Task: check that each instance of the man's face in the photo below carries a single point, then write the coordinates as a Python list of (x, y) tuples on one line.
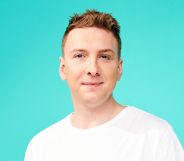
[(90, 64)]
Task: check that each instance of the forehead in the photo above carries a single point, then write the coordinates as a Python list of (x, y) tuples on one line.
[(90, 38)]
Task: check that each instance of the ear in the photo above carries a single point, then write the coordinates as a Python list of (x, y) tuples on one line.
[(62, 68), (120, 69)]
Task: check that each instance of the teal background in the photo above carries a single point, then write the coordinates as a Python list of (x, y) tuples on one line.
[(32, 96)]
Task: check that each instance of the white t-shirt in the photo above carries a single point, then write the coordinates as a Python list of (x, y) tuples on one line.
[(132, 135)]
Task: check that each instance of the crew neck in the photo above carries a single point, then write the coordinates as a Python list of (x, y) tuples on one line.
[(98, 127)]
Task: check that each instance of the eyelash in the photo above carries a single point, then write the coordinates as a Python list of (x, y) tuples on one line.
[(81, 55), (108, 57)]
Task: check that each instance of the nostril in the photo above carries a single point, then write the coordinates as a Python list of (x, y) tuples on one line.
[(93, 74)]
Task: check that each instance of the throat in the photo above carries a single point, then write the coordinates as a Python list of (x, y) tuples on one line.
[(94, 119)]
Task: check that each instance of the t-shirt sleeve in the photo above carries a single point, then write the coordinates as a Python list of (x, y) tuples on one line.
[(28, 154), (33, 150), (169, 147)]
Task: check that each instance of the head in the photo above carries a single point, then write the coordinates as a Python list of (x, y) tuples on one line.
[(91, 61), (93, 18)]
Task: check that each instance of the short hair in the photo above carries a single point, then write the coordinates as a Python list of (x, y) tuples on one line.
[(94, 18)]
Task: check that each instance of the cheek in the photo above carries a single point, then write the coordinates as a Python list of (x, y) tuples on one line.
[(73, 71), (111, 73), (113, 69)]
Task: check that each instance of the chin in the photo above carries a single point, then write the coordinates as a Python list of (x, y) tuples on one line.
[(95, 100)]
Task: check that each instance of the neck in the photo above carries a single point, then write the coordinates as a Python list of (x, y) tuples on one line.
[(87, 116)]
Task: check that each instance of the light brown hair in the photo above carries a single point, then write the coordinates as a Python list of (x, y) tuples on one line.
[(93, 18)]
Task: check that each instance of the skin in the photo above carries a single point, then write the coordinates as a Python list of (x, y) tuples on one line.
[(91, 67)]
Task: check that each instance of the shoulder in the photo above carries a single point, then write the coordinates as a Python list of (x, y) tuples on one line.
[(158, 132), (49, 134), (43, 139), (140, 121)]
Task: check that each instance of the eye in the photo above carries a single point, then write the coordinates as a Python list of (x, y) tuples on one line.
[(105, 56), (79, 55)]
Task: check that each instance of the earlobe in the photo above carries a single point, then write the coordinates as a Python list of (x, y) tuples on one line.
[(62, 71)]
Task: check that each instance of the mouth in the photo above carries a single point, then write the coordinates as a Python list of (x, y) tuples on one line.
[(92, 84)]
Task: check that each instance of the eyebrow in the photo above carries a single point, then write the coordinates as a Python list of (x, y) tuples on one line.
[(74, 50), (106, 50), (102, 50)]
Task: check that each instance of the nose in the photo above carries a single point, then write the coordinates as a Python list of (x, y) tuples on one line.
[(92, 68)]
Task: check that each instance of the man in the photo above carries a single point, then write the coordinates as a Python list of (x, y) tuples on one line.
[(100, 129)]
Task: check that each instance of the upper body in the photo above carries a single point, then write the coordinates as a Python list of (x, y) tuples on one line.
[(91, 64), (132, 135)]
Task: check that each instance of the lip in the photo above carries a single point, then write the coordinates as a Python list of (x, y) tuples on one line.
[(92, 84)]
